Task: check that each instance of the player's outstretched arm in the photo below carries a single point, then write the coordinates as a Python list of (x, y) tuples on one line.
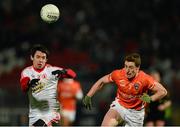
[(97, 86), (64, 73), (58, 72), (159, 92)]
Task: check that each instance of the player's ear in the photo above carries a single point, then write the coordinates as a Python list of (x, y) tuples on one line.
[(31, 58)]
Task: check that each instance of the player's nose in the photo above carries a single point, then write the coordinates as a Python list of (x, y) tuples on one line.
[(41, 59)]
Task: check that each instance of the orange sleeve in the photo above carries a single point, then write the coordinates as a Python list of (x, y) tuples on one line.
[(150, 82), (115, 75), (78, 86)]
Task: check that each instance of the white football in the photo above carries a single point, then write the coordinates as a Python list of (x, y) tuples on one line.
[(50, 13)]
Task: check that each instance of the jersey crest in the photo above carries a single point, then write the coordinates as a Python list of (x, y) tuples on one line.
[(136, 86)]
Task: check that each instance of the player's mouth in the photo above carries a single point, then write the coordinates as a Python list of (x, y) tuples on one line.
[(128, 74), (39, 64)]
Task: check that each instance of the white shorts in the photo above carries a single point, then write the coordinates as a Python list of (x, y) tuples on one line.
[(48, 118), (69, 114), (131, 117)]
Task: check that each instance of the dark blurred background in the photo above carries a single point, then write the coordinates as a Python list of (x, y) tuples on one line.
[(91, 37)]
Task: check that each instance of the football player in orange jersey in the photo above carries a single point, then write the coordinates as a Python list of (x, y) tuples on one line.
[(69, 91), (132, 84)]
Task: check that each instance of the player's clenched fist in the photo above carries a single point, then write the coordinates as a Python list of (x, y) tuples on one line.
[(64, 73), (87, 102), (146, 98), (58, 73)]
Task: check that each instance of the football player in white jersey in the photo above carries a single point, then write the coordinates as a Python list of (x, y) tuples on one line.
[(40, 81)]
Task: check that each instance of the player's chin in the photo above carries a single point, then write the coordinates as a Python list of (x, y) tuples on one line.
[(130, 76), (40, 66)]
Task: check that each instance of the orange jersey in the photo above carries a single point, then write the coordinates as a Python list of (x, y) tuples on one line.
[(129, 92), (67, 92)]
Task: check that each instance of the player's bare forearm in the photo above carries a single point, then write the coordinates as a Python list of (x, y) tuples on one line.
[(160, 92), (94, 88), (98, 85)]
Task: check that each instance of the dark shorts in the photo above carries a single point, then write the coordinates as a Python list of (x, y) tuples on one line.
[(155, 115)]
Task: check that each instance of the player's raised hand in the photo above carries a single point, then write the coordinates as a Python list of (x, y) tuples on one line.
[(146, 98), (33, 82), (59, 73), (87, 102)]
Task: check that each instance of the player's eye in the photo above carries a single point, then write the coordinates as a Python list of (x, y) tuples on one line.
[(37, 56), (131, 67), (43, 57)]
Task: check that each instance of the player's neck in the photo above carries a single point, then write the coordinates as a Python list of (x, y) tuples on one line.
[(130, 79)]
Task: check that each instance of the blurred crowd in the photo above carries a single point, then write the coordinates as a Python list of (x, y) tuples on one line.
[(91, 37)]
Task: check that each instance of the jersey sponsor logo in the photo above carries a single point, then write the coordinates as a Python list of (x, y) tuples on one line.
[(38, 88), (129, 96)]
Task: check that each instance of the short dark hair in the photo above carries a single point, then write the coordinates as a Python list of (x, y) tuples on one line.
[(39, 47), (134, 57)]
